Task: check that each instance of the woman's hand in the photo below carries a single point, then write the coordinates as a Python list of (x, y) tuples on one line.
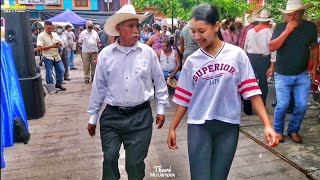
[(171, 140), (271, 136)]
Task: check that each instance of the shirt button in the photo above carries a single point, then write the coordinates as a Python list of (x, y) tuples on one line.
[(127, 90), (126, 77)]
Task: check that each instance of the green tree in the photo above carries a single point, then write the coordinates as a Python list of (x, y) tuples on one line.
[(183, 8), (276, 5)]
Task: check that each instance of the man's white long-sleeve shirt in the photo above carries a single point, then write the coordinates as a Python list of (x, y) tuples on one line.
[(126, 76), (257, 42)]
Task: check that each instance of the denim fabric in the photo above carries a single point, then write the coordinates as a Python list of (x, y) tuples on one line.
[(70, 58), (299, 85), (166, 74), (59, 70), (211, 149)]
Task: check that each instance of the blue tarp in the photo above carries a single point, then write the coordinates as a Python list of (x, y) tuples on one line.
[(12, 105), (69, 16)]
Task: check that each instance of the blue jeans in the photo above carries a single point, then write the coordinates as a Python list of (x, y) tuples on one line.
[(211, 149), (166, 74), (70, 58), (299, 85), (59, 70)]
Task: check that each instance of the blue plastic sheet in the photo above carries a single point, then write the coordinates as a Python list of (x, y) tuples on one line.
[(12, 105)]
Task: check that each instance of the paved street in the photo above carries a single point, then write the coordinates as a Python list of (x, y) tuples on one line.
[(60, 147)]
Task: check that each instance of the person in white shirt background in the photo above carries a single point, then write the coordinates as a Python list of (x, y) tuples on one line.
[(128, 75), (257, 48), (210, 86), (62, 51), (89, 40)]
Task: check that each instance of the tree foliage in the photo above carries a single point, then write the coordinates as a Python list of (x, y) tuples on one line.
[(233, 8), (183, 8), (276, 5)]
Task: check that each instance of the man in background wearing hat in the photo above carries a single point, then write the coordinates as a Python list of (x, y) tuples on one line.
[(243, 35), (127, 72), (293, 41), (238, 25), (257, 47)]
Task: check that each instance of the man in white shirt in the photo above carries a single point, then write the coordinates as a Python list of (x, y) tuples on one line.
[(257, 47), (127, 72), (89, 39), (62, 52)]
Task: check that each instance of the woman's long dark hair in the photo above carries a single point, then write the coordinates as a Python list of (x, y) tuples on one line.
[(208, 14)]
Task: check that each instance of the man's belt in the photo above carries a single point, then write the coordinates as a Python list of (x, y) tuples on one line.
[(261, 55), (128, 110)]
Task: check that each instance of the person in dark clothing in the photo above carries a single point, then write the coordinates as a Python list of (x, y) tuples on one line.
[(294, 41)]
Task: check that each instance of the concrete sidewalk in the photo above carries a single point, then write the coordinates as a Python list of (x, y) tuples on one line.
[(306, 156), (60, 147)]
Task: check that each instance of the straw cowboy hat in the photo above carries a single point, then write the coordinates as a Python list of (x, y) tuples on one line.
[(172, 82), (295, 5), (125, 13), (97, 26), (262, 15)]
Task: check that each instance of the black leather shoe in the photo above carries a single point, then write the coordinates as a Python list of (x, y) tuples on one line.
[(67, 79), (61, 87)]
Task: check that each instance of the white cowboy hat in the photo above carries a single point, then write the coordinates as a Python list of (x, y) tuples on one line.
[(295, 5), (262, 15), (172, 82), (238, 20), (125, 13)]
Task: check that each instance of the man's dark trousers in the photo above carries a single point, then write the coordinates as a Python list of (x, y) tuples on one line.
[(65, 63), (260, 64), (134, 130)]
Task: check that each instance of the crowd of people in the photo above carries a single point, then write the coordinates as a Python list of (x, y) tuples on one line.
[(219, 68)]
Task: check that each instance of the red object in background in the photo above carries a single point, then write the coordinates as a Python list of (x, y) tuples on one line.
[(123, 2), (315, 83)]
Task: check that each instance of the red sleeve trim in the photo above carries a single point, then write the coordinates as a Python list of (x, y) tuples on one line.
[(247, 82), (184, 91), (181, 98), (249, 89)]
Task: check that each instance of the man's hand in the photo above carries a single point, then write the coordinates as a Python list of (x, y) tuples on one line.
[(270, 72), (95, 60), (92, 129), (160, 120), (172, 75), (271, 136), (171, 140), (55, 46), (313, 74), (291, 25), (59, 44)]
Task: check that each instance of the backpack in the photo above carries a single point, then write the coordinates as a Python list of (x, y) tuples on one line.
[(20, 130)]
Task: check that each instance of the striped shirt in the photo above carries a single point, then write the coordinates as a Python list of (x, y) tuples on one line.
[(211, 87)]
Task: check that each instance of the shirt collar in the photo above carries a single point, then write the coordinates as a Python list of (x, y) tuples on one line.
[(125, 49)]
